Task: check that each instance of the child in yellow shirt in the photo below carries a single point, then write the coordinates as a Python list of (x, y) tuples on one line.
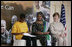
[(21, 27)]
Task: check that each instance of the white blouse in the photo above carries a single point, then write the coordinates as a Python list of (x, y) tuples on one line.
[(57, 28)]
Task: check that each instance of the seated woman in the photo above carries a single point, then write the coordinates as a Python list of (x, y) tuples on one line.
[(4, 32), (57, 29), (38, 28)]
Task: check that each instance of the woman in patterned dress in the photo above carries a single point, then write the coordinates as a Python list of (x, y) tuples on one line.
[(37, 29)]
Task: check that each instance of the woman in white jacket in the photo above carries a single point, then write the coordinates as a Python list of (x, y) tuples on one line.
[(57, 29)]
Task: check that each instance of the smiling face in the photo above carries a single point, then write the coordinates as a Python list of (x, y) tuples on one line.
[(39, 17), (56, 18)]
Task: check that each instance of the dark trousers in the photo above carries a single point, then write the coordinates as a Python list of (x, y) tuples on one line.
[(43, 40), (53, 41), (29, 39)]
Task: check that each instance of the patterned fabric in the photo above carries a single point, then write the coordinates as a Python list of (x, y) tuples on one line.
[(9, 37), (4, 37), (63, 18), (57, 29), (63, 21), (45, 30), (36, 28)]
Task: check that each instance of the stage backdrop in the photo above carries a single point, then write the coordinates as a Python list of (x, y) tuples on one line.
[(10, 8)]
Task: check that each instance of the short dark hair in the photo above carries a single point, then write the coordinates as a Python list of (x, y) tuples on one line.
[(22, 16), (56, 13)]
